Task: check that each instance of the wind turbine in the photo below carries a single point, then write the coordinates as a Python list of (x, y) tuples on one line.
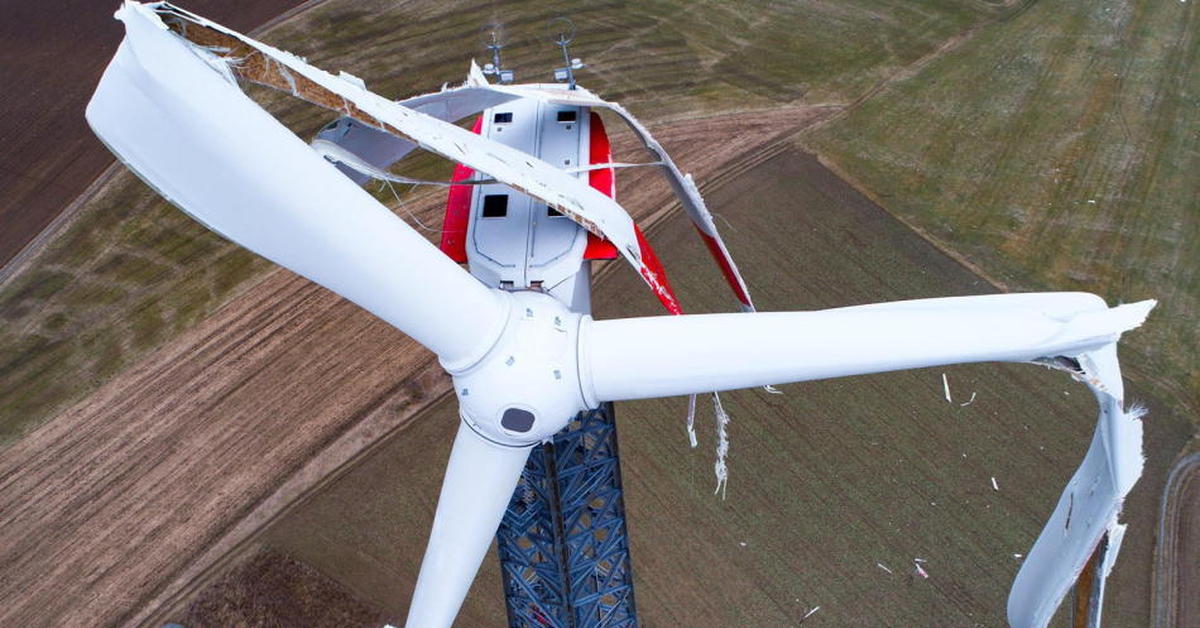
[(525, 359)]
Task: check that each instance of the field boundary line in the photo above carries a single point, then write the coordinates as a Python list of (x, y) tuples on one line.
[(1164, 580)]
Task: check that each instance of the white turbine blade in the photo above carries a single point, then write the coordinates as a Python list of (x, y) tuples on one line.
[(191, 134), (663, 356), (479, 483)]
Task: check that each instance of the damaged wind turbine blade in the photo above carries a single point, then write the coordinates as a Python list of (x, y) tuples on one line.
[(638, 358), (382, 150), (1087, 512), (259, 63), (652, 357), (479, 482), (210, 150), (681, 184)]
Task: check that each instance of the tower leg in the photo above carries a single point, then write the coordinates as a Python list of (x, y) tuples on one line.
[(563, 544)]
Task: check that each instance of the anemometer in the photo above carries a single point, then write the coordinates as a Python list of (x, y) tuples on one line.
[(562, 31)]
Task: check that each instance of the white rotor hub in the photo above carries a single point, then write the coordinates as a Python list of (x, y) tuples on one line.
[(526, 387)]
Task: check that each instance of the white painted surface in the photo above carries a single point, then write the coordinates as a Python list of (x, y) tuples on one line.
[(638, 358), (476, 95), (528, 247), (479, 481), (1090, 504)]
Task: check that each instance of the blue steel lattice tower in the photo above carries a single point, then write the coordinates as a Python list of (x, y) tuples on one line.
[(563, 544)]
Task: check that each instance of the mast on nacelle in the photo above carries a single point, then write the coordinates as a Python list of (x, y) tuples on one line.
[(495, 68), (564, 34)]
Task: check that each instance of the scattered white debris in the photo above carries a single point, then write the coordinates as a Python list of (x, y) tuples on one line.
[(995, 487), (774, 391), (719, 468), (883, 567), (920, 560), (1018, 555), (946, 388), (742, 543), (921, 571), (809, 613), (969, 401), (1091, 201), (691, 421)]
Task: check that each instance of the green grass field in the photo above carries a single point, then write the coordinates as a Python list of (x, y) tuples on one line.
[(1056, 150)]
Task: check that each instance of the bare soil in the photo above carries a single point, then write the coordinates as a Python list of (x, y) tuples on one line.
[(271, 589), (149, 489), (101, 506), (51, 56)]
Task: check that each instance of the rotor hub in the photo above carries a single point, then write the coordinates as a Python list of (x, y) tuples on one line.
[(526, 387)]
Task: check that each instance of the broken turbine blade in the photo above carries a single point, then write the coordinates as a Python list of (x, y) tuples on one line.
[(652, 357), (1090, 505)]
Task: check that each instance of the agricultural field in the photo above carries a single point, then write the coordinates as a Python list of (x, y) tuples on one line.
[(128, 272), (1057, 149), (828, 479), (169, 403)]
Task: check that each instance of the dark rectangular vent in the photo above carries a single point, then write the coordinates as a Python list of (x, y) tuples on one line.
[(553, 213), (566, 116), (495, 205), (502, 118)]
